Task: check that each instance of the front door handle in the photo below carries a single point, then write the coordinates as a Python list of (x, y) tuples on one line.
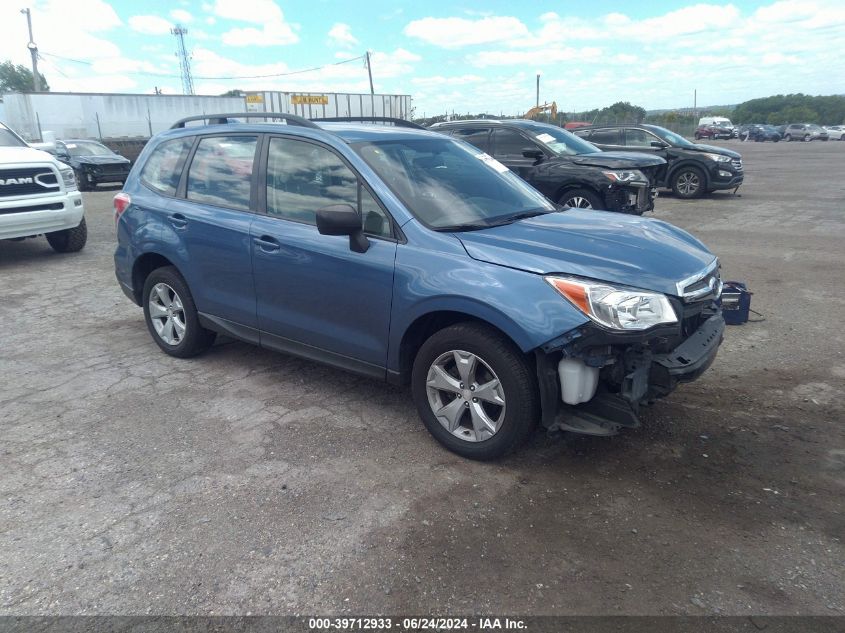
[(266, 243), (178, 220)]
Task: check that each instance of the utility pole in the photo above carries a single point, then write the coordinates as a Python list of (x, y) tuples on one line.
[(33, 50), (694, 103), (538, 90), (370, 73), (184, 60)]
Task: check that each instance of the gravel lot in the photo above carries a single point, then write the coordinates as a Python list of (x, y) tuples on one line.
[(245, 481)]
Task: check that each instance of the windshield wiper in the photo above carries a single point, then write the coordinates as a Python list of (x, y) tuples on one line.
[(468, 226), (510, 219)]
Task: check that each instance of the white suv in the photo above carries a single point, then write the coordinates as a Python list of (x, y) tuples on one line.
[(38, 195)]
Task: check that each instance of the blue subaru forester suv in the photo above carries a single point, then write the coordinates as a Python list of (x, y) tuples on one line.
[(411, 257)]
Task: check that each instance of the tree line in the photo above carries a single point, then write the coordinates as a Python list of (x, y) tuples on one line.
[(795, 108)]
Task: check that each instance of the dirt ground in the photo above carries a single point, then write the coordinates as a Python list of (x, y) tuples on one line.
[(245, 481)]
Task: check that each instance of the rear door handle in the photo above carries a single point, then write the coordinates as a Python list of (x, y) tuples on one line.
[(266, 243), (178, 220)]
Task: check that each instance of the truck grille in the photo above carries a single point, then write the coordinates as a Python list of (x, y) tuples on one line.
[(27, 181)]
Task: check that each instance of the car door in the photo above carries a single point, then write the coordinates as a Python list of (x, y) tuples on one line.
[(316, 296), (608, 138), (210, 221), (507, 146)]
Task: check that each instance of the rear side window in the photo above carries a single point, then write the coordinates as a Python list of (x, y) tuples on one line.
[(475, 136), (607, 136), (638, 138), (221, 171), (164, 166)]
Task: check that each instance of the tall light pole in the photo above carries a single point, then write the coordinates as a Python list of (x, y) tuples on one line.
[(33, 50)]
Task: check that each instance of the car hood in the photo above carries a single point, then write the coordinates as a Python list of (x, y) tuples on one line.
[(714, 149), (24, 155), (101, 160), (617, 160), (633, 251)]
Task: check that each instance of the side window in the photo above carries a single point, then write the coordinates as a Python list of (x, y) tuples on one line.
[(607, 136), (303, 177), (509, 144), (638, 138), (480, 137), (164, 166), (221, 171)]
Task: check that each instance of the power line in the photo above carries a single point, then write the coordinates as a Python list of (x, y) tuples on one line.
[(151, 74)]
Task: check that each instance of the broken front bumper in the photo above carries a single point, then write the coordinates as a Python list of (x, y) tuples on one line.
[(634, 369)]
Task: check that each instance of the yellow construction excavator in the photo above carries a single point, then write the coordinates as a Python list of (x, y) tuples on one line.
[(551, 108)]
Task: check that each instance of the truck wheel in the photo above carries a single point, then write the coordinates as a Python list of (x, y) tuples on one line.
[(69, 240), (171, 315), (688, 182), (475, 391), (580, 199)]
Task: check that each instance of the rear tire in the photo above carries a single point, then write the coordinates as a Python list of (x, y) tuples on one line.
[(492, 365), (171, 315), (688, 183), (788, 138), (807, 138), (581, 199), (69, 240)]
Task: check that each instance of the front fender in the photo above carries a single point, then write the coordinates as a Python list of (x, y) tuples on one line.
[(519, 303)]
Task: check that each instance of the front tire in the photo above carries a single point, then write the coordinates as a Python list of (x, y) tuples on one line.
[(475, 391), (69, 240), (788, 138), (171, 315), (688, 183), (807, 138), (581, 199)]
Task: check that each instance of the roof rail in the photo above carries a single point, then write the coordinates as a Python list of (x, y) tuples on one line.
[(374, 119), (223, 119)]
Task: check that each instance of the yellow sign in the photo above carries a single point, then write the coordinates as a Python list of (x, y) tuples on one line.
[(255, 98), (309, 100)]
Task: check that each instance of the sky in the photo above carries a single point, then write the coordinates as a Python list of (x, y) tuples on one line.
[(448, 55)]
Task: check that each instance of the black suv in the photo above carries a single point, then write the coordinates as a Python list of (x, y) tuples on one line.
[(692, 169), (566, 169), (93, 162)]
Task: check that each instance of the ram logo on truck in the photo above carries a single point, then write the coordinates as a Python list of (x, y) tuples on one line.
[(17, 181)]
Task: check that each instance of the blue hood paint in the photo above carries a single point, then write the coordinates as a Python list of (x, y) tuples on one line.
[(634, 251)]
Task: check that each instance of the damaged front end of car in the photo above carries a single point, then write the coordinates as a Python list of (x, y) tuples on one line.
[(637, 347)]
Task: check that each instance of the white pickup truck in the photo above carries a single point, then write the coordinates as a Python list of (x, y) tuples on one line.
[(38, 196)]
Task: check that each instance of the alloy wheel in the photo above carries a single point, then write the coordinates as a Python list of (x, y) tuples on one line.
[(465, 395), (688, 183), (167, 314), (578, 202)]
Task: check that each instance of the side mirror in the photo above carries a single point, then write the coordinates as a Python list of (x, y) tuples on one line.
[(533, 152), (342, 219), (659, 144)]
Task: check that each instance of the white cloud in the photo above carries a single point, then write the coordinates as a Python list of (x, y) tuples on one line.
[(458, 32), (274, 30), (182, 16), (439, 80), (341, 35), (150, 25)]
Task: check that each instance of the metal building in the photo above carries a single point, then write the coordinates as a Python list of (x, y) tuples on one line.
[(330, 104)]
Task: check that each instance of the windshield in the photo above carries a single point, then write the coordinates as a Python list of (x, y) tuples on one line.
[(87, 148), (9, 139), (450, 185), (670, 137), (560, 141)]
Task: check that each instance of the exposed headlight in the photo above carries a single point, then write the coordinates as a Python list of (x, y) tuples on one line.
[(613, 307), (633, 175), (68, 178), (719, 158)]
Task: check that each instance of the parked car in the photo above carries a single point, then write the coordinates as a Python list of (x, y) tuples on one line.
[(38, 196), (692, 170), (721, 121), (759, 133), (93, 162), (407, 256), (565, 168), (804, 132), (713, 131), (835, 132)]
